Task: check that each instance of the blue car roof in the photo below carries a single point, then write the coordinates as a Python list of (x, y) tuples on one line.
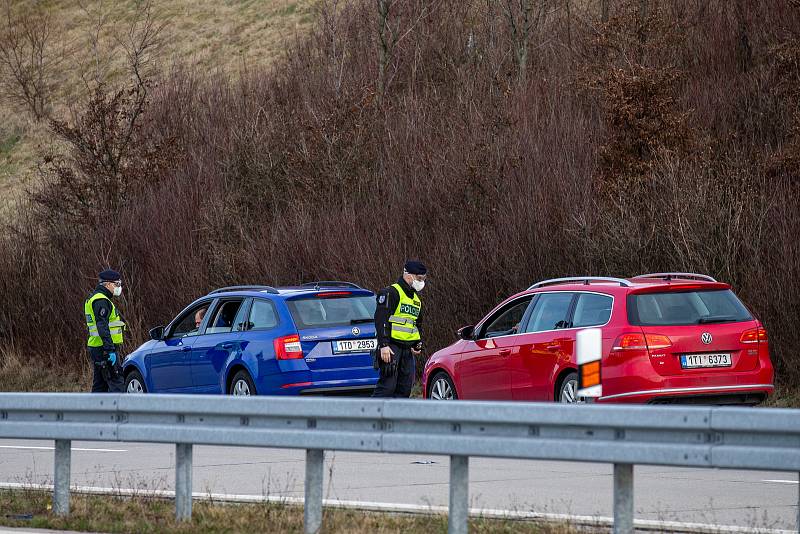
[(290, 291)]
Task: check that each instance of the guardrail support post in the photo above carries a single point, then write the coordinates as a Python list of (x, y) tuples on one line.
[(315, 464), (623, 498), (63, 459), (183, 481), (459, 495)]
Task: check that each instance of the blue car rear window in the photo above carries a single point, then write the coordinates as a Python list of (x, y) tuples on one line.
[(315, 312)]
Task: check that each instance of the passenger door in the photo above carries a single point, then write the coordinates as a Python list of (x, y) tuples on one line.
[(484, 370), (167, 365), (220, 339), (544, 345)]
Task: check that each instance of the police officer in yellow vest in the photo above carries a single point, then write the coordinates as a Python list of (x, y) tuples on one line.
[(397, 322), (105, 326)]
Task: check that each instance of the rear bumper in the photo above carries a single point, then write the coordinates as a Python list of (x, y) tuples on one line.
[(355, 386), (732, 394)]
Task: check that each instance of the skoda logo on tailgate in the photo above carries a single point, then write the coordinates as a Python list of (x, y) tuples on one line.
[(706, 338), (357, 331)]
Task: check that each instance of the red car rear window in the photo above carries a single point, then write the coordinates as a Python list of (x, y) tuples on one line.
[(674, 308)]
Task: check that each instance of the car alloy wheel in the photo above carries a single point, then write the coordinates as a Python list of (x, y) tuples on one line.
[(135, 386), (241, 388), (569, 391), (442, 389)]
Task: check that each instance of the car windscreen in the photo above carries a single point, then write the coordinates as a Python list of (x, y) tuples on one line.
[(321, 312), (677, 308)]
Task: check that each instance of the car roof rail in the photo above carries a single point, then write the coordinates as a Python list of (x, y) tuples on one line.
[(670, 276), (267, 289), (330, 283), (585, 279)]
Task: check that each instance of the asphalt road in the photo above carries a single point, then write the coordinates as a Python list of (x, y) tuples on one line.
[(722, 497)]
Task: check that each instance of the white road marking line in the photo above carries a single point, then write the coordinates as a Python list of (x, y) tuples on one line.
[(782, 481), (53, 448), (640, 524)]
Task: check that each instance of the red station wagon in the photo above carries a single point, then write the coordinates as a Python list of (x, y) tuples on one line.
[(667, 338)]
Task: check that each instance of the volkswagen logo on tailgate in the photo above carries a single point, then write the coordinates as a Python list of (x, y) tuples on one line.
[(706, 338), (357, 331)]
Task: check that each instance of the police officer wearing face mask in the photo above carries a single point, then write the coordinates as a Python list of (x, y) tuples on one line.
[(105, 326), (397, 322)]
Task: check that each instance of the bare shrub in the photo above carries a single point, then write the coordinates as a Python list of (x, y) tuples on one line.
[(29, 56), (656, 154)]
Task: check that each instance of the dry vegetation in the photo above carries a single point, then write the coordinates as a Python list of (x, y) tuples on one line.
[(145, 514), (502, 142), (83, 45)]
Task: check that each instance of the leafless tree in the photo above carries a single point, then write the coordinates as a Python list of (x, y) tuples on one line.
[(28, 57), (524, 18)]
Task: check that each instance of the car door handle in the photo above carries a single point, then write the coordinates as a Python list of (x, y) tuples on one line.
[(505, 352), (227, 346), (555, 347), (186, 348)]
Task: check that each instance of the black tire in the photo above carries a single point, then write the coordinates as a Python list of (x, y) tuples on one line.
[(134, 383), (567, 391), (441, 387), (242, 385)]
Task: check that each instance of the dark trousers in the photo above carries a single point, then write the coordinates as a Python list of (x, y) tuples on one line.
[(399, 384), (106, 380)]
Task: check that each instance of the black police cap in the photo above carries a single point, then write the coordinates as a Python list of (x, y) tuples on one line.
[(415, 267), (109, 275)]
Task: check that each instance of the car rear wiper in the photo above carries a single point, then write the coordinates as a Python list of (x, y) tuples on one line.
[(717, 319), (359, 321)]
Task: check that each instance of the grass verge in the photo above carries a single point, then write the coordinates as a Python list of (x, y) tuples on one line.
[(32, 509)]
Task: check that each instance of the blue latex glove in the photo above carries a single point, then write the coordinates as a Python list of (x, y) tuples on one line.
[(112, 357)]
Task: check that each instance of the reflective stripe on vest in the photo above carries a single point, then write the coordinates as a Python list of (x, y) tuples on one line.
[(404, 318), (115, 323)]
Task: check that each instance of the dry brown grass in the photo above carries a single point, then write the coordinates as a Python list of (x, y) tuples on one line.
[(144, 514), (21, 373), (200, 34)]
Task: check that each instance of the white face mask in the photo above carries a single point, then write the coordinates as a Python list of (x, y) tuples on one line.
[(417, 285), (117, 291)]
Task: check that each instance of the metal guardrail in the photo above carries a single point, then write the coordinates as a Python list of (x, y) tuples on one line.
[(741, 438)]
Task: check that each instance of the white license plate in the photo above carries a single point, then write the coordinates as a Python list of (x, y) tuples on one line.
[(691, 361), (354, 345)]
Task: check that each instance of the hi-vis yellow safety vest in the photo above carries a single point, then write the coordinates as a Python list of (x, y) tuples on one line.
[(404, 318), (115, 324)]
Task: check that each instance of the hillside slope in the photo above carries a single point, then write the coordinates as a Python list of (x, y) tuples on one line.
[(206, 34)]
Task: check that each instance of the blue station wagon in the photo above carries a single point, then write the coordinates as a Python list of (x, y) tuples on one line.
[(246, 340)]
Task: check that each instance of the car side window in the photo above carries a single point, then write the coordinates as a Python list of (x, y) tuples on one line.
[(263, 315), (550, 312), (190, 322), (507, 320), (592, 310), (224, 316)]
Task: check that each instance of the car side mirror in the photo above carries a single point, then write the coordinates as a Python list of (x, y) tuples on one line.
[(157, 333), (466, 332)]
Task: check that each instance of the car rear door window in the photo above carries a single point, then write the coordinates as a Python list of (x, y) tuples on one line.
[(550, 312), (675, 308), (224, 317), (592, 310), (263, 315)]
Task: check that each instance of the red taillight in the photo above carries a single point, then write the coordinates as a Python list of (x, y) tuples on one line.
[(754, 335), (637, 341), (288, 348)]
